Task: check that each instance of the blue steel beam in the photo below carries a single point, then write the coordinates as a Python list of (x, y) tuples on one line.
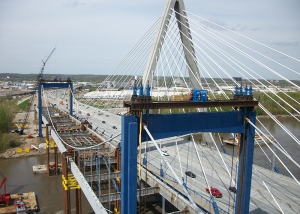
[(168, 125), (129, 141), (71, 99), (163, 126), (245, 165), (40, 109), (45, 85)]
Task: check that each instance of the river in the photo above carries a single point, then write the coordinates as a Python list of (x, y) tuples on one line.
[(50, 192)]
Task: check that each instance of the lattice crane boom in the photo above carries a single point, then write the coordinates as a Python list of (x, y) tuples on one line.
[(40, 76)]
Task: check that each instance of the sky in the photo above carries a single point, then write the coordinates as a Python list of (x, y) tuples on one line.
[(93, 36)]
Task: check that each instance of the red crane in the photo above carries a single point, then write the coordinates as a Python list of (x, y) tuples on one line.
[(4, 198)]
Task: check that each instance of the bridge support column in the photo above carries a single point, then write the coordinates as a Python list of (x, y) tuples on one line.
[(71, 99), (40, 105), (78, 191), (56, 160), (129, 144), (67, 204), (47, 148), (245, 164)]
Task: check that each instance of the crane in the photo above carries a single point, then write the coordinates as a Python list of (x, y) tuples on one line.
[(39, 78)]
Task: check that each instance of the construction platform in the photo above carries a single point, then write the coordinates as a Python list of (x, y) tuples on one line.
[(29, 199), (39, 168)]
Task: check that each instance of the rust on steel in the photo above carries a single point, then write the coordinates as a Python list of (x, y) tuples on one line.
[(188, 104)]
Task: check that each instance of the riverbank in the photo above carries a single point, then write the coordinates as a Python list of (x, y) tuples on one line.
[(29, 138)]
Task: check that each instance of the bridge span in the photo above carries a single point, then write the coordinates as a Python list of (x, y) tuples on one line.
[(92, 155)]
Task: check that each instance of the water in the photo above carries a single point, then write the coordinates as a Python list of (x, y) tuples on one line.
[(282, 138), (50, 192)]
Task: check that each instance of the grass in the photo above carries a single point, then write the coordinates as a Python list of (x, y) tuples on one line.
[(24, 105)]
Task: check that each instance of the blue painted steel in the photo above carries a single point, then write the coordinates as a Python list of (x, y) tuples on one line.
[(245, 165), (134, 90), (241, 90), (71, 99), (50, 85), (250, 91), (275, 168), (168, 125), (216, 208), (199, 95), (40, 109), (129, 142), (148, 90), (224, 150), (141, 90), (145, 159), (97, 171), (56, 84), (236, 92), (161, 170), (108, 168), (246, 91)]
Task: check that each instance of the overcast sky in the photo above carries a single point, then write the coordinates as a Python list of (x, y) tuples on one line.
[(93, 36)]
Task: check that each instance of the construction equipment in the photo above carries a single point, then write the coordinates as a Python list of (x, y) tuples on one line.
[(39, 78), (4, 198)]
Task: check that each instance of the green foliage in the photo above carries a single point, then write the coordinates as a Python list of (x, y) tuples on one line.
[(24, 105), (8, 141), (7, 114), (269, 101)]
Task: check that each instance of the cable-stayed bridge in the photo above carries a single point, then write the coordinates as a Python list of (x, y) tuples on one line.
[(179, 53)]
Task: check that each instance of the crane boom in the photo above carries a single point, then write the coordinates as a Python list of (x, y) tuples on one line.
[(40, 76)]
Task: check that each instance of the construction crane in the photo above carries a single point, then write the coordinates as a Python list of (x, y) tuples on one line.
[(39, 78)]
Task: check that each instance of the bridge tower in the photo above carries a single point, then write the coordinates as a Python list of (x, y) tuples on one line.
[(162, 126), (186, 40)]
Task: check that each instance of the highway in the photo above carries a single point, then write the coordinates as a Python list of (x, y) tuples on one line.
[(285, 190)]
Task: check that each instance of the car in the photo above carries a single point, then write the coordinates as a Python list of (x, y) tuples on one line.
[(232, 189), (215, 192), (114, 127), (190, 174), (103, 121), (164, 151)]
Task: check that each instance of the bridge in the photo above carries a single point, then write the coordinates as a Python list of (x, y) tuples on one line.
[(139, 135)]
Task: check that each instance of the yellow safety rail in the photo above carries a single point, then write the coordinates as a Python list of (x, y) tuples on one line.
[(71, 183)]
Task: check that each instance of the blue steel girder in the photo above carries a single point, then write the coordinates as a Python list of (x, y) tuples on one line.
[(65, 84), (168, 125)]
